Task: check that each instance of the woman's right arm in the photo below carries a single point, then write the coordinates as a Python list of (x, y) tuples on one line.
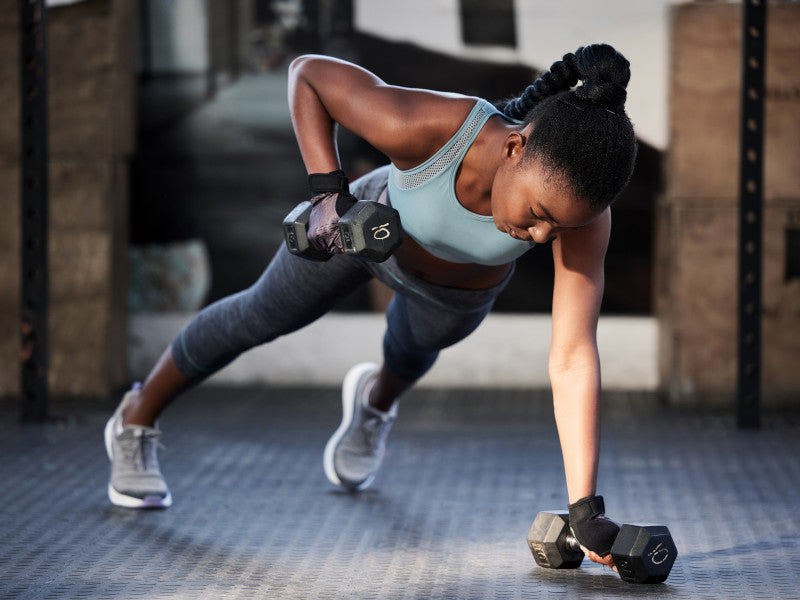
[(406, 124)]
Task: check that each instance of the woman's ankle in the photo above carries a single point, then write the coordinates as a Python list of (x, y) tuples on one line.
[(133, 414), (386, 390), (381, 404)]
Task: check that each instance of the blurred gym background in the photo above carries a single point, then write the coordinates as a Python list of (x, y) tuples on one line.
[(172, 163)]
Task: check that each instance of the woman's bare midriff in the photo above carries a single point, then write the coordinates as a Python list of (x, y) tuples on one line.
[(470, 276)]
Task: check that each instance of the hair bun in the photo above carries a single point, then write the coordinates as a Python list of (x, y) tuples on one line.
[(605, 74)]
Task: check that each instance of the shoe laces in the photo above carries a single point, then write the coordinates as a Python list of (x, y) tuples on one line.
[(374, 427), (141, 449)]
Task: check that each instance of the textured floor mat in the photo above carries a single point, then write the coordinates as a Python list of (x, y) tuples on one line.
[(447, 516)]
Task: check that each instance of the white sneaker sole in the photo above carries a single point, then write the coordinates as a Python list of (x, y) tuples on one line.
[(119, 499), (348, 391)]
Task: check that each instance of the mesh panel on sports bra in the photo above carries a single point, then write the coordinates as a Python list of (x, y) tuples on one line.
[(411, 180)]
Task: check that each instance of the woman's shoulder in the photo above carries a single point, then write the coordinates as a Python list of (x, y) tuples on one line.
[(439, 110), (431, 119)]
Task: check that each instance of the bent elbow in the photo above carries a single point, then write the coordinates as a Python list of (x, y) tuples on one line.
[(296, 66), (304, 62)]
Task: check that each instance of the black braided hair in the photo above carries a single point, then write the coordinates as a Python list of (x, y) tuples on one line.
[(581, 133), (605, 74), (562, 75)]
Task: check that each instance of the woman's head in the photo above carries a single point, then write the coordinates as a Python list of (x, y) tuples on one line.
[(581, 135)]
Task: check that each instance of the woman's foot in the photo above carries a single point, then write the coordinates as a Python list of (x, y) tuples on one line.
[(136, 480), (355, 451)]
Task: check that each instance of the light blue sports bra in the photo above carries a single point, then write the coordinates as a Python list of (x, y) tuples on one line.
[(425, 197)]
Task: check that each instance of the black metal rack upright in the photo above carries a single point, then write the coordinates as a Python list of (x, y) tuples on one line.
[(751, 198), (34, 209)]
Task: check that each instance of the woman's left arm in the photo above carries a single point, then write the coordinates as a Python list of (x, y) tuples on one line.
[(574, 363)]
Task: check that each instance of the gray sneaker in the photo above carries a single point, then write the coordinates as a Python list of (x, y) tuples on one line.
[(136, 480), (356, 449)]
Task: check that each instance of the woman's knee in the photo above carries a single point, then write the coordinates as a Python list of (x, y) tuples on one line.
[(416, 333), (407, 362)]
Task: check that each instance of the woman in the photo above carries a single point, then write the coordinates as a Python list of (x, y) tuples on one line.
[(476, 187)]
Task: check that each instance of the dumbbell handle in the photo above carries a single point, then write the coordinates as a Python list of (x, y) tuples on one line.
[(573, 543)]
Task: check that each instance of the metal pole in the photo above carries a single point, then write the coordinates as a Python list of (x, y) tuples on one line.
[(34, 213), (751, 198)]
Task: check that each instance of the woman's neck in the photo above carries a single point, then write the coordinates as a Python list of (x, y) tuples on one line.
[(477, 171)]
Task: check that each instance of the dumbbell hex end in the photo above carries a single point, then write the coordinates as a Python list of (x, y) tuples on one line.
[(644, 553), (295, 231), (551, 543), (370, 230)]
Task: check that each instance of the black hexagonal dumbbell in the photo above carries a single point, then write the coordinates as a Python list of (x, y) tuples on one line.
[(369, 230), (642, 553)]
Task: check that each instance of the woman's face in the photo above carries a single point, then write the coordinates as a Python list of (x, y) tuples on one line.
[(531, 203)]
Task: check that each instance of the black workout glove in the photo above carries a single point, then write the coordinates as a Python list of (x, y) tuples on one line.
[(331, 200), (590, 526)]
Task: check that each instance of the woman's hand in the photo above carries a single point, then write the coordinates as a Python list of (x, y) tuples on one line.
[(606, 560), (594, 531)]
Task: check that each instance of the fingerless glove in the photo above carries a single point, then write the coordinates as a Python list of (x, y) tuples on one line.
[(331, 200), (590, 526)]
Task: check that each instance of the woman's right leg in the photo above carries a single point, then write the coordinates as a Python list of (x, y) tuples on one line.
[(291, 293)]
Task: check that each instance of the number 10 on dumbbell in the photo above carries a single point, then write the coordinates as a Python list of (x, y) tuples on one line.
[(642, 553)]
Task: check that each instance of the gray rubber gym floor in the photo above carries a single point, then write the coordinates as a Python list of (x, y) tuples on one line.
[(254, 516)]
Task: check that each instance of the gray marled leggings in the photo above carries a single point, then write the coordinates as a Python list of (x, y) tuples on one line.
[(292, 292)]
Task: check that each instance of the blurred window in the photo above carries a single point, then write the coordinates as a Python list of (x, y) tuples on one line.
[(488, 23)]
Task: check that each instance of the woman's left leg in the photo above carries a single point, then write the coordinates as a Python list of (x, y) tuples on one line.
[(421, 322), (417, 331)]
